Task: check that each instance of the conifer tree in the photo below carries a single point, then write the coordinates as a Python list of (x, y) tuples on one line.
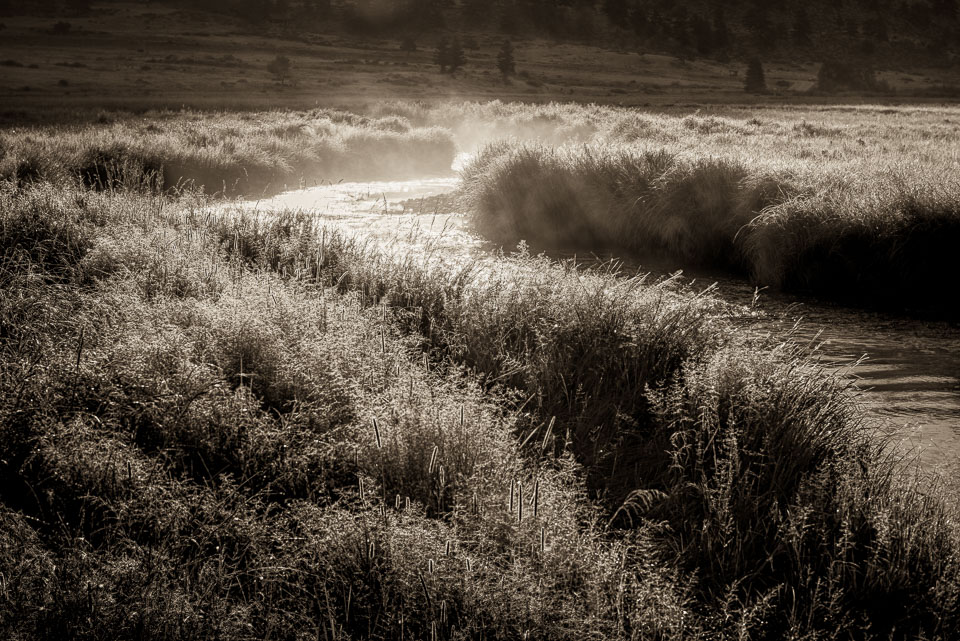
[(442, 57), (457, 58), (801, 28), (280, 68), (755, 81), (505, 61)]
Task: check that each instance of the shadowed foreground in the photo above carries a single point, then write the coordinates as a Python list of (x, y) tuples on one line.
[(224, 424)]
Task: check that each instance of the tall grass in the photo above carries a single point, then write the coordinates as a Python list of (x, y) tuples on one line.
[(226, 454), (217, 425), (755, 464), (880, 239), (236, 154)]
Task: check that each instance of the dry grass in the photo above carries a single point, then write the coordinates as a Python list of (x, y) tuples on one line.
[(226, 153), (219, 426), (854, 207)]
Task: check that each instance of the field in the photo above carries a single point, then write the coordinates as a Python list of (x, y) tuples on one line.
[(139, 56), (225, 423), (859, 205)]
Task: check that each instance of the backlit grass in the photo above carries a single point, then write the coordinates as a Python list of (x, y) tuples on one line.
[(228, 153), (863, 212), (227, 425)]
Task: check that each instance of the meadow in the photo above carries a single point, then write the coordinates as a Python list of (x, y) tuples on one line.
[(248, 154), (854, 204), (219, 423)]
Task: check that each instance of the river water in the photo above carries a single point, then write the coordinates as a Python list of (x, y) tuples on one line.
[(907, 370)]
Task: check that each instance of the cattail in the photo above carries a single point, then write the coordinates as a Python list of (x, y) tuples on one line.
[(469, 564), (397, 503), (430, 566), (426, 592), (443, 612), (433, 458), (446, 551), (548, 433), (536, 497), (443, 479), (519, 502), (83, 331), (376, 433), (512, 484), (383, 342), (371, 549), (362, 497), (543, 539)]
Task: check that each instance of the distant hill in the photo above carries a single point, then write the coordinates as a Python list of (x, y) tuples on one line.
[(921, 31), (137, 54)]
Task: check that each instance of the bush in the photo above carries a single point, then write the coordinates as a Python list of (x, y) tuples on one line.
[(754, 81), (835, 75)]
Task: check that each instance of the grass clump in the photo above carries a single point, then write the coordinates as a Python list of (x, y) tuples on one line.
[(248, 154), (879, 240)]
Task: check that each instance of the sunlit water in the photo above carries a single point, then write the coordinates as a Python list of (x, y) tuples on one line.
[(908, 370)]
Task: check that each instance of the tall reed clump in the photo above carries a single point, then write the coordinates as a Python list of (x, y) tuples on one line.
[(216, 452), (236, 154), (617, 197), (891, 244), (785, 504), (880, 240)]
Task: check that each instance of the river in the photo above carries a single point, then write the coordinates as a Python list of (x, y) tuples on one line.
[(907, 370)]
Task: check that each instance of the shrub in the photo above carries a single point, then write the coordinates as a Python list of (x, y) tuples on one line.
[(754, 81), (835, 75)]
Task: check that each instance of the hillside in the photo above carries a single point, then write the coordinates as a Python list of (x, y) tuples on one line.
[(214, 53)]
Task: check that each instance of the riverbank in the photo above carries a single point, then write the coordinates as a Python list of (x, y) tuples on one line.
[(225, 414)]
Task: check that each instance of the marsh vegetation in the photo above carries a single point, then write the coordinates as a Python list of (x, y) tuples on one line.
[(225, 423)]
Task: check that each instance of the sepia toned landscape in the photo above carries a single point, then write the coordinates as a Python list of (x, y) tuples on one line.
[(479, 319)]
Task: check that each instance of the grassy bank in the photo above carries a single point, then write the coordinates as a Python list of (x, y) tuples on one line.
[(750, 463), (195, 449), (232, 153), (861, 213), (218, 424)]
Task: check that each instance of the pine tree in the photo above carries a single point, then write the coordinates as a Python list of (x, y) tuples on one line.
[(280, 67), (755, 81), (801, 28), (442, 56), (617, 12), (721, 33), (457, 58), (638, 19), (505, 62), (702, 35)]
